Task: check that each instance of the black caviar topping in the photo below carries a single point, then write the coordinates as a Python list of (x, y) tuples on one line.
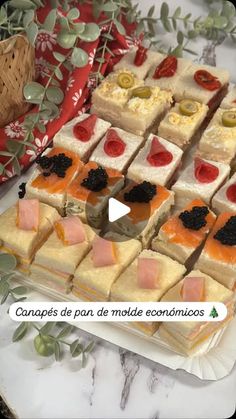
[(194, 219), (144, 192), (96, 180), (227, 234), (57, 164), (22, 190)]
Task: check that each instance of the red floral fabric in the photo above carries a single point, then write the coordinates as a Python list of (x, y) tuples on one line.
[(76, 85)]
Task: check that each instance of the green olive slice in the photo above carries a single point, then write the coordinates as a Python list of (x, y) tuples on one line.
[(143, 92), (229, 119), (125, 80), (188, 107)]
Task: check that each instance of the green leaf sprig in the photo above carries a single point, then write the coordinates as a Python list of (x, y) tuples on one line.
[(7, 267), (50, 340), (48, 97)]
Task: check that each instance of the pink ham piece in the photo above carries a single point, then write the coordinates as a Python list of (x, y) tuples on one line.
[(205, 172), (28, 214), (193, 289), (84, 130), (70, 230), (103, 253), (158, 154), (148, 273)]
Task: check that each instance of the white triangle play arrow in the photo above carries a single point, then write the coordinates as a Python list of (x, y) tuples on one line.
[(116, 210)]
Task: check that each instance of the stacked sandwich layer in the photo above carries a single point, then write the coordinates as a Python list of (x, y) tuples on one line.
[(137, 146)]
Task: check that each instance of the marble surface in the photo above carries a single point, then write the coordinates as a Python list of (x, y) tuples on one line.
[(115, 383)]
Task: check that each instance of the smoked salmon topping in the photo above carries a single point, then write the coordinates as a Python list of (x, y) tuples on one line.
[(214, 247), (205, 172), (103, 253), (84, 130), (227, 234), (158, 154), (70, 230), (193, 289), (28, 214), (176, 231), (148, 271)]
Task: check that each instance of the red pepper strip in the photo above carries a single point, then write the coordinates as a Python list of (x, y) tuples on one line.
[(206, 80), (84, 130), (158, 154), (114, 146), (140, 56), (205, 172), (166, 68), (231, 193)]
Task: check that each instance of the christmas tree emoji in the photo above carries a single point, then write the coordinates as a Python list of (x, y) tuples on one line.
[(214, 313)]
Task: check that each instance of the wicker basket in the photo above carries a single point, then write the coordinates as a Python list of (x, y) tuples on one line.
[(16, 69)]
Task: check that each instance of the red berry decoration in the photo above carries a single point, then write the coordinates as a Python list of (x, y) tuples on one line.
[(84, 130)]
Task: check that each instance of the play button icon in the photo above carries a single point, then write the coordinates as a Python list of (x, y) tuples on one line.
[(116, 210)]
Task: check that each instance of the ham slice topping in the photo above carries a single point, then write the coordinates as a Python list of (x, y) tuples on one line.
[(28, 214), (193, 289), (84, 130), (103, 252), (231, 193), (158, 154), (148, 273), (205, 172), (114, 146), (70, 230)]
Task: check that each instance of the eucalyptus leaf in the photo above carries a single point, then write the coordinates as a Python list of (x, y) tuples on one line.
[(58, 73), (65, 39), (4, 288), (52, 110), (167, 25), (32, 32), (73, 14), (164, 11), (5, 295), (20, 332), (110, 6), (90, 347), (7, 262), (151, 11), (41, 127), (55, 95), (91, 32), (33, 92), (22, 4), (50, 21), (73, 346), (28, 18), (78, 28), (84, 360), (177, 13), (64, 23), (120, 27), (59, 57), (180, 37), (67, 330), (79, 57), (2, 168), (47, 327), (57, 351), (16, 166), (220, 22), (21, 290), (44, 345), (228, 9)]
